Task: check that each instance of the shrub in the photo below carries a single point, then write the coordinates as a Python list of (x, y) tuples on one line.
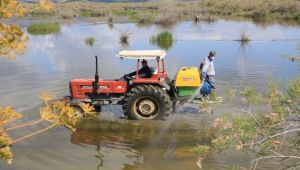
[(164, 40), (43, 28)]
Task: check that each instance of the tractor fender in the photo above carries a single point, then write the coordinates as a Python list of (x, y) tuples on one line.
[(163, 85)]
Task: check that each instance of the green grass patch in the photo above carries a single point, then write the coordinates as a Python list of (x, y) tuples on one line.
[(132, 15), (38, 12), (296, 15), (43, 28), (91, 13), (202, 150), (90, 41), (125, 12), (164, 40)]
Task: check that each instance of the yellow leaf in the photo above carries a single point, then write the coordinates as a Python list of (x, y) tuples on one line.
[(10, 8), (87, 109), (8, 115), (47, 5), (46, 96)]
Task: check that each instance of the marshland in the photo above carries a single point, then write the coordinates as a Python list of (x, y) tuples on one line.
[(256, 126)]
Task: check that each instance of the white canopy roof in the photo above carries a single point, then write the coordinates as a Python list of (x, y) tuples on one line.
[(142, 54)]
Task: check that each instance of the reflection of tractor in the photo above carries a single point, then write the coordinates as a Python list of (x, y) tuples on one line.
[(142, 98)]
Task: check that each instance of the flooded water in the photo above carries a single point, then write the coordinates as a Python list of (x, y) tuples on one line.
[(51, 61)]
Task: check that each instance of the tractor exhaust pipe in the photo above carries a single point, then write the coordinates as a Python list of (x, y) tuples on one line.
[(96, 86)]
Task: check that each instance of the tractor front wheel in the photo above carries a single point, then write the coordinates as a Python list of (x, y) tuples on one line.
[(147, 102)]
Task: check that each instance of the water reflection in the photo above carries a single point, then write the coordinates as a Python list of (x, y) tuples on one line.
[(142, 142)]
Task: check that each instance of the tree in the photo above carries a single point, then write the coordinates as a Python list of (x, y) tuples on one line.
[(58, 113), (272, 133), (11, 8)]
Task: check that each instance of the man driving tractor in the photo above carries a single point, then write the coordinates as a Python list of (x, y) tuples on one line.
[(144, 72)]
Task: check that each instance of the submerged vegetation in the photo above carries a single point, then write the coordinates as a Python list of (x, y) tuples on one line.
[(124, 39), (243, 39), (43, 28), (164, 40), (90, 41)]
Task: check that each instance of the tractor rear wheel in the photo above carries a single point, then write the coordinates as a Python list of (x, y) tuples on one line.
[(147, 102)]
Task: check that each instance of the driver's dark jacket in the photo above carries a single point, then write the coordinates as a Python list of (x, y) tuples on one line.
[(144, 72)]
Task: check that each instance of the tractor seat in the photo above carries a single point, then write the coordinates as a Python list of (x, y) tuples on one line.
[(153, 70)]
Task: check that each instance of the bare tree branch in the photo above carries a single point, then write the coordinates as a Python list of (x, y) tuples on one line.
[(278, 134), (33, 134), (24, 125), (255, 161)]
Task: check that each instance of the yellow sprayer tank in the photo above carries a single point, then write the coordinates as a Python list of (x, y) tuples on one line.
[(187, 81)]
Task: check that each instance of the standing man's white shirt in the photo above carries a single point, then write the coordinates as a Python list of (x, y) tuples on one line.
[(208, 67)]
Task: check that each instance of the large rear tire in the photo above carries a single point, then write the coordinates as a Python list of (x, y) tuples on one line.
[(147, 102)]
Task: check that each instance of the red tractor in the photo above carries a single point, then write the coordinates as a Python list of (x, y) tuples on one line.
[(142, 98)]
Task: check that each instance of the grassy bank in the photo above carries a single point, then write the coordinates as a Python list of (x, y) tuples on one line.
[(167, 13), (136, 12), (255, 9)]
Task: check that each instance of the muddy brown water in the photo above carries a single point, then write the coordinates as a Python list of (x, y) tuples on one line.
[(108, 142)]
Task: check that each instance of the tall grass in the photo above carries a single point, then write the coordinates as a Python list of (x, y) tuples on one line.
[(91, 13), (166, 21), (43, 28), (243, 39), (124, 39)]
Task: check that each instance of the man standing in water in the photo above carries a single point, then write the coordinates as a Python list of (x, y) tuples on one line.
[(208, 74), (208, 69)]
